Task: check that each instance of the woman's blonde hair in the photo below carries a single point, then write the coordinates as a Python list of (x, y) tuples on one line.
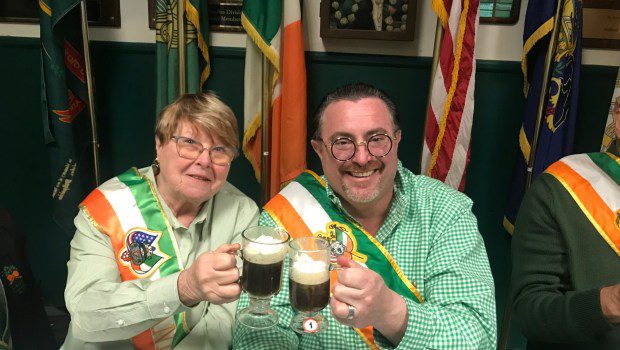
[(204, 110)]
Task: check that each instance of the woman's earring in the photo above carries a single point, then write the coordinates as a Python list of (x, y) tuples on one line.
[(156, 167)]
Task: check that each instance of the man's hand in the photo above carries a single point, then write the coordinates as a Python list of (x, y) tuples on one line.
[(212, 277), (610, 303), (374, 302)]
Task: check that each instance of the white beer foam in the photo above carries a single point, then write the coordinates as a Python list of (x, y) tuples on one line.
[(265, 250), (305, 270)]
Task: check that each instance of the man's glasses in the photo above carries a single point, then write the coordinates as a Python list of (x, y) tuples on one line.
[(191, 149), (344, 148)]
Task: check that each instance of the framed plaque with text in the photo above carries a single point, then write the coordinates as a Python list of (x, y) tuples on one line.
[(601, 24), (224, 15), (499, 11)]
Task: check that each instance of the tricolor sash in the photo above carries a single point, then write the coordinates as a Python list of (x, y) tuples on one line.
[(593, 180), (303, 209), (127, 209)]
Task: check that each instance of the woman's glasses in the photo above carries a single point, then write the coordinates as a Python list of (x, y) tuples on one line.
[(191, 149)]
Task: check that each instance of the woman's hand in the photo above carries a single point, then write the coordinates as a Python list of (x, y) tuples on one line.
[(212, 277)]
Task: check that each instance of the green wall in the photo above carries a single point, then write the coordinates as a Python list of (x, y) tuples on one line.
[(125, 101)]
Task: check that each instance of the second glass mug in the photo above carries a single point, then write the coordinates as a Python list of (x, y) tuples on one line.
[(309, 266), (263, 250)]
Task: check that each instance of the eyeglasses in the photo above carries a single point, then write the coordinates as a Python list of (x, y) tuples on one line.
[(344, 148), (191, 149)]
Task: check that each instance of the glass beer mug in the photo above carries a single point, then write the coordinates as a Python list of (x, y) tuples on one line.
[(309, 265), (263, 251)]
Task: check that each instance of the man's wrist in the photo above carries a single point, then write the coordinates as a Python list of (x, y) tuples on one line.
[(610, 303), (392, 322)]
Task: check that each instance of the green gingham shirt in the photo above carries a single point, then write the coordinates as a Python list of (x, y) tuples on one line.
[(432, 235)]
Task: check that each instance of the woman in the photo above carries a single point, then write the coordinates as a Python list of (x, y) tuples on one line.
[(153, 258)]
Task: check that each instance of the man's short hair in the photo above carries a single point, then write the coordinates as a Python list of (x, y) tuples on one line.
[(353, 92)]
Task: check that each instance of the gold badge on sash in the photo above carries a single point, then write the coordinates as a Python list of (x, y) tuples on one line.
[(342, 241)]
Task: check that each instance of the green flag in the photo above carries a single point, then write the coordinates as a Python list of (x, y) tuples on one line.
[(64, 99), (197, 54)]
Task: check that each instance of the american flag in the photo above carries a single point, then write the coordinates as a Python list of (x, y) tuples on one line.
[(448, 126), (142, 237)]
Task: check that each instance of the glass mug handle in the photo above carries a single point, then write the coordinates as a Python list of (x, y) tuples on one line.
[(239, 254), (336, 249)]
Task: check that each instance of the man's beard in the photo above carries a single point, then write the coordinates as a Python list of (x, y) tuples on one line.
[(352, 195)]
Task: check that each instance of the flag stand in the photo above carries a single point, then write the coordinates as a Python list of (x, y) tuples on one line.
[(264, 147), (507, 317), (181, 45), (439, 31), (89, 85)]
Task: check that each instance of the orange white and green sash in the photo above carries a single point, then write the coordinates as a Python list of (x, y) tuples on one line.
[(128, 210), (593, 180), (303, 209)]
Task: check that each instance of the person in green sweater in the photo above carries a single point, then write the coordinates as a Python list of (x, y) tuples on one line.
[(566, 254)]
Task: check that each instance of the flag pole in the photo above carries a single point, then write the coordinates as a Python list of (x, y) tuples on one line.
[(439, 31), (264, 147), (181, 43), (502, 341), (542, 101), (89, 86)]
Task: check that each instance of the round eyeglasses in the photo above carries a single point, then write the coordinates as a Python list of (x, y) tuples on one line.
[(191, 149), (344, 148)]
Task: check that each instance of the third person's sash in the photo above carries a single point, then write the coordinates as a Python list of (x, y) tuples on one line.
[(593, 181)]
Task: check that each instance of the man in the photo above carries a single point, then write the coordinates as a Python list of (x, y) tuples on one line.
[(566, 254), (5, 335), (419, 275), (21, 294)]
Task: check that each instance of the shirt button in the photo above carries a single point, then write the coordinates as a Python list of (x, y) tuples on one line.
[(166, 310), (120, 323)]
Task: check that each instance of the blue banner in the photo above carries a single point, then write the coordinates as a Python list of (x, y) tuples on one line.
[(560, 114)]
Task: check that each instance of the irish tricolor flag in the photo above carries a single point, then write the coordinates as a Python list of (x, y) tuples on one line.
[(274, 29)]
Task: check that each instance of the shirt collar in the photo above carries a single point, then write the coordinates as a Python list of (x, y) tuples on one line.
[(174, 222)]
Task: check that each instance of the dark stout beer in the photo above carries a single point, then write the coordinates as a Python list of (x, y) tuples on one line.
[(309, 284), (262, 267), (261, 280), (309, 297), (263, 250)]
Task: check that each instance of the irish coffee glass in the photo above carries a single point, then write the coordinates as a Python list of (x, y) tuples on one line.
[(263, 251), (309, 283)]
